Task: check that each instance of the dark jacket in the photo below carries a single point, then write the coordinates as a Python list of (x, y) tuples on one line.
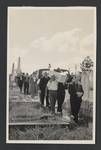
[(61, 88), (73, 89), (43, 83)]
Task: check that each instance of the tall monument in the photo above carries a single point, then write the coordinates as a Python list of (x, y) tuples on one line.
[(12, 69), (12, 75), (18, 71)]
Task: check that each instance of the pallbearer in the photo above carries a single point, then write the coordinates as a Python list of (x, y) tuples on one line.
[(42, 88), (52, 87), (60, 96)]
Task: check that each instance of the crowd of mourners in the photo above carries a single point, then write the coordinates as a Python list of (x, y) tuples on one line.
[(51, 91)]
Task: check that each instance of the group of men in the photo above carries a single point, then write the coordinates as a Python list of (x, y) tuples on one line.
[(53, 91)]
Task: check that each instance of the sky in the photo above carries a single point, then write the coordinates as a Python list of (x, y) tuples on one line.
[(62, 37)]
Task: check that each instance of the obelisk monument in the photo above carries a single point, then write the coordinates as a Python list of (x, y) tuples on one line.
[(12, 69), (18, 71)]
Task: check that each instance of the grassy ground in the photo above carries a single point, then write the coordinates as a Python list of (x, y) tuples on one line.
[(24, 109), (50, 133)]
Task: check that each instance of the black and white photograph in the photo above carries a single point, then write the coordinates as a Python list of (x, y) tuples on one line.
[(51, 75)]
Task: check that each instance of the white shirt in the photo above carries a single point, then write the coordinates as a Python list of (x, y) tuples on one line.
[(52, 85)]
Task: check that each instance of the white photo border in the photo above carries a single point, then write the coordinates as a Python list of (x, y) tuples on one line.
[(94, 84)]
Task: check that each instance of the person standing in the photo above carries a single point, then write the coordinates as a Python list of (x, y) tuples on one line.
[(76, 92), (52, 87), (26, 84), (23, 80), (33, 90), (20, 82), (42, 88), (60, 96)]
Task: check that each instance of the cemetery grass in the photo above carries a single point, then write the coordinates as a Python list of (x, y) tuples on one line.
[(82, 131), (50, 133)]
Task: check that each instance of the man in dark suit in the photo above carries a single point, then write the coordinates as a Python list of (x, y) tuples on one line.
[(43, 89), (26, 84), (76, 92), (61, 96)]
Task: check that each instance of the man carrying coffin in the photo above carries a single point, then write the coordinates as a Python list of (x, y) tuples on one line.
[(43, 87), (61, 93), (60, 80), (52, 86), (76, 92)]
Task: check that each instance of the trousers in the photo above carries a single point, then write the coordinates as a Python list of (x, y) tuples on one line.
[(60, 100), (42, 98), (26, 88), (75, 107), (53, 98)]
